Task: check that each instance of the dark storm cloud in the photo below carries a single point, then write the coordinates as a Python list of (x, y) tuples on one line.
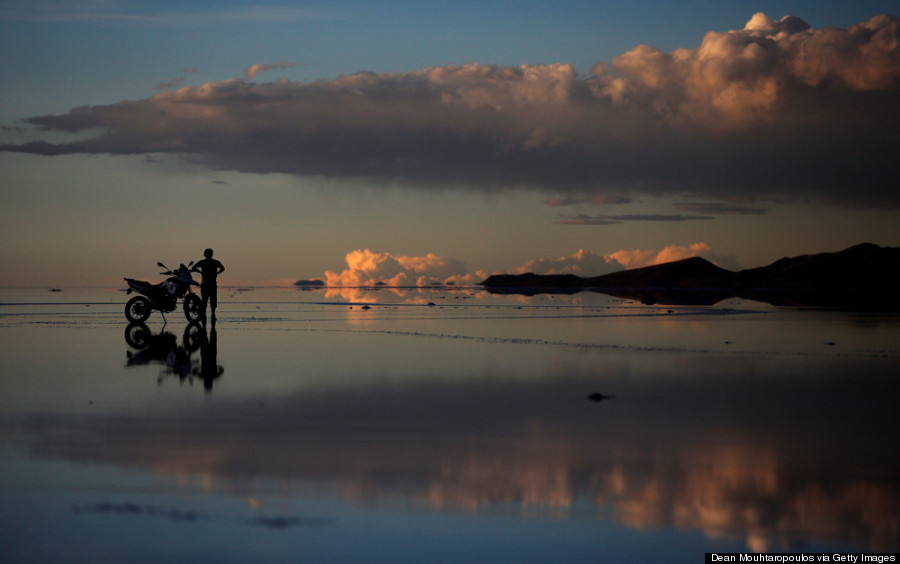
[(582, 219), (774, 109), (602, 199), (719, 208)]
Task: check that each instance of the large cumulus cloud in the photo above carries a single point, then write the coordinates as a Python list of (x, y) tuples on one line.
[(776, 108), (369, 268)]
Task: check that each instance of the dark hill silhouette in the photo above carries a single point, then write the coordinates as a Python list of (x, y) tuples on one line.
[(531, 283), (864, 275), (694, 272), (862, 266)]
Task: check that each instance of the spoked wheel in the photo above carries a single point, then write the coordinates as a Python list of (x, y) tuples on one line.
[(193, 307), (138, 309), (193, 337), (137, 335)]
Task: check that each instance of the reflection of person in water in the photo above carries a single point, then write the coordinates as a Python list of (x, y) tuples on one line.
[(209, 269), (209, 370)]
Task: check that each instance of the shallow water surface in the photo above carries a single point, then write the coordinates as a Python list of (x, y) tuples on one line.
[(443, 425)]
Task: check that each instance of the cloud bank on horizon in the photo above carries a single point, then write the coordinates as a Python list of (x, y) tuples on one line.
[(369, 268), (776, 109)]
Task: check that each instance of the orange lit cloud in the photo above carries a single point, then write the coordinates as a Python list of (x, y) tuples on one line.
[(639, 259), (582, 263), (588, 263), (253, 70), (369, 268), (366, 268)]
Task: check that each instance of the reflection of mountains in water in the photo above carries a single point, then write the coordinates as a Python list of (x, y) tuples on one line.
[(865, 275)]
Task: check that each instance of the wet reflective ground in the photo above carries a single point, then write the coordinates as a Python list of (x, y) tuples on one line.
[(444, 426)]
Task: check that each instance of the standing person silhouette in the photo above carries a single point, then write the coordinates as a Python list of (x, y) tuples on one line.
[(209, 268)]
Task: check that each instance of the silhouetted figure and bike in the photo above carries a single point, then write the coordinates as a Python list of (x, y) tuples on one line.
[(165, 296)]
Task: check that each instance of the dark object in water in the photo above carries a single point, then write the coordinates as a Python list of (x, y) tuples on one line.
[(309, 283), (596, 396)]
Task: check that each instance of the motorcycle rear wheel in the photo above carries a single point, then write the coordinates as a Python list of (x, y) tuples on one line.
[(138, 309), (138, 336), (193, 307)]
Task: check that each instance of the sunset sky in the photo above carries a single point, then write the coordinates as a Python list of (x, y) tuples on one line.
[(433, 141)]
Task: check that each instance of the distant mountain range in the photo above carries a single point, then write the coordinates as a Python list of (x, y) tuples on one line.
[(864, 275)]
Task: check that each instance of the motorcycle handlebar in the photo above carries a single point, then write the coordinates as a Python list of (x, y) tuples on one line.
[(169, 272)]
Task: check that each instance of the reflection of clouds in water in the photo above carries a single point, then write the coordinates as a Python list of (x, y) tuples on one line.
[(390, 294), (132, 509), (289, 522), (137, 510), (748, 456), (750, 492)]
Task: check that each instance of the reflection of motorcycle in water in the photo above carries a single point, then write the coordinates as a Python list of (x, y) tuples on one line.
[(164, 296), (162, 348), (176, 359)]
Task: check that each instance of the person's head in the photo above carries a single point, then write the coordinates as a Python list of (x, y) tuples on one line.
[(208, 253)]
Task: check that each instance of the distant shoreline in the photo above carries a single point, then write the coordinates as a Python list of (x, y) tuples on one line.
[(864, 275)]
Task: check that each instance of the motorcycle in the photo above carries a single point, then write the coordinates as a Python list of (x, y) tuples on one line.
[(164, 296)]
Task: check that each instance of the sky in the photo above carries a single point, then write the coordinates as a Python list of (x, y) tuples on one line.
[(419, 142)]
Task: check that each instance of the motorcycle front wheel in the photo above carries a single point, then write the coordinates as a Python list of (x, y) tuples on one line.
[(138, 309), (194, 336), (193, 307)]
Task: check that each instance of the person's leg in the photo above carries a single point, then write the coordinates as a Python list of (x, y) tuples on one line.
[(213, 298), (204, 294)]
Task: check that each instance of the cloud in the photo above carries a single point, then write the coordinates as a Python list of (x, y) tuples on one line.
[(171, 83), (583, 263), (369, 268), (602, 199), (774, 109), (134, 13), (589, 263), (640, 259), (718, 208), (253, 70), (582, 219)]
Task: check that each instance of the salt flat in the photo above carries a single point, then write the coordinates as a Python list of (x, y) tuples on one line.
[(443, 425)]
